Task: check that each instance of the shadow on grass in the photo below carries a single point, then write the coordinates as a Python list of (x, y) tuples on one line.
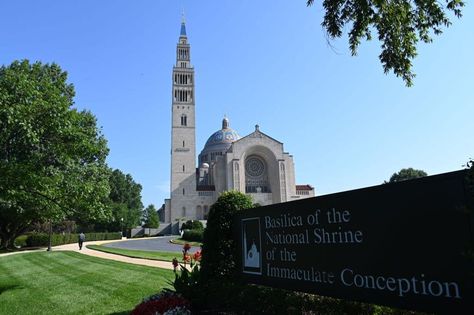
[(121, 313), (7, 287), (22, 249)]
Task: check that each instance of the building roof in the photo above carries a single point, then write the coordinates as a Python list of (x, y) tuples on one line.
[(222, 139)]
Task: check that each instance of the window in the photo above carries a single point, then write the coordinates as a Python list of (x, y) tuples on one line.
[(184, 122), (256, 175), (206, 212), (183, 191), (183, 143), (183, 171)]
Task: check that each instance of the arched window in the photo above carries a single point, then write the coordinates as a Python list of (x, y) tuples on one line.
[(256, 175), (199, 214), (184, 121), (206, 212)]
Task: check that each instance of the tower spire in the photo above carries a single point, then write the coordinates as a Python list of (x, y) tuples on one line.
[(183, 24)]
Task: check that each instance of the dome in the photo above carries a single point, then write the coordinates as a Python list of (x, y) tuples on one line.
[(219, 142), (222, 136)]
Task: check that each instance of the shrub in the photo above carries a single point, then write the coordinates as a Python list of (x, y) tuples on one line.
[(187, 283), (42, 239), (219, 278), (219, 250), (20, 241), (37, 239), (192, 225), (193, 235)]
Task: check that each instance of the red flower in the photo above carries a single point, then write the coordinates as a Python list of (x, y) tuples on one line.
[(160, 306), (186, 258), (197, 256), (175, 263), (186, 247)]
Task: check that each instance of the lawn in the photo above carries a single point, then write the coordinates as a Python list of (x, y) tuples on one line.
[(165, 256), (72, 283)]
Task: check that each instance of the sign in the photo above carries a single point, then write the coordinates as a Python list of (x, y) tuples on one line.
[(407, 245)]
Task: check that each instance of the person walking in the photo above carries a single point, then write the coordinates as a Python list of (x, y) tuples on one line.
[(82, 238)]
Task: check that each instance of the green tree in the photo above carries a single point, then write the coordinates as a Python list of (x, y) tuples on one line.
[(219, 275), (406, 173), (125, 201), (400, 25), (150, 217), (52, 156)]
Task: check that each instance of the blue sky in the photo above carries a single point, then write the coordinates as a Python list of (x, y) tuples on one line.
[(347, 124)]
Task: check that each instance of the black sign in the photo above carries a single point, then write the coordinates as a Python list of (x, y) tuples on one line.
[(407, 245)]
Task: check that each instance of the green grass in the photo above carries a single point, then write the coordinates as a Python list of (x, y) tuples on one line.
[(182, 242), (165, 256), (72, 283)]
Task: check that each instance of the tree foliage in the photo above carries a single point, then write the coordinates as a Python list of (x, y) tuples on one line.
[(400, 25), (407, 173), (52, 156), (219, 252), (192, 225), (125, 201), (150, 217)]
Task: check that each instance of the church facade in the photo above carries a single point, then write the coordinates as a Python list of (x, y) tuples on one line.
[(255, 164)]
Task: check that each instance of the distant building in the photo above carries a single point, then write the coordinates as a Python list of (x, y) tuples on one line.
[(255, 164)]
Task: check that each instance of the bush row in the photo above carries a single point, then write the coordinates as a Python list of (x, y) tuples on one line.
[(192, 225), (193, 235), (20, 241), (42, 239)]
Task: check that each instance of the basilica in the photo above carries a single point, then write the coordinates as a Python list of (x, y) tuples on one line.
[(255, 164)]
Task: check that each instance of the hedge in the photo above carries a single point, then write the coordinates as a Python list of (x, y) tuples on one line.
[(193, 235), (192, 225), (42, 239), (20, 241)]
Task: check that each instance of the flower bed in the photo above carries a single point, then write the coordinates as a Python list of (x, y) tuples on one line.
[(166, 302)]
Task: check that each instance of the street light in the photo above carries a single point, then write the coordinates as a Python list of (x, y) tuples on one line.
[(50, 232), (121, 227)]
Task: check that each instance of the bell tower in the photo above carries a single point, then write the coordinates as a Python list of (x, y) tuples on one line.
[(183, 132)]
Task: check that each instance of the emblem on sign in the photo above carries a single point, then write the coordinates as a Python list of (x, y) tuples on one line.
[(251, 249)]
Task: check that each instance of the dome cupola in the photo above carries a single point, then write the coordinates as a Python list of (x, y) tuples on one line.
[(219, 142)]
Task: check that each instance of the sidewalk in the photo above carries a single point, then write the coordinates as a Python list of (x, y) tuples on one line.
[(85, 251)]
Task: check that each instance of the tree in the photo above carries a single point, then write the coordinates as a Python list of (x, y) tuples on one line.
[(219, 273), (400, 25), (125, 201), (150, 217), (52, 156), (406, 173)]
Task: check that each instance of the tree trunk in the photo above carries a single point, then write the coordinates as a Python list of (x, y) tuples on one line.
[(8, 236), (6, 241)]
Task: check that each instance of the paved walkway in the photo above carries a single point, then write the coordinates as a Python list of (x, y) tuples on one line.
[(85, 251)]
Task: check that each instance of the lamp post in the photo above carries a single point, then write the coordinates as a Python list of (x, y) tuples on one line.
[(50, 235), (121, 227)]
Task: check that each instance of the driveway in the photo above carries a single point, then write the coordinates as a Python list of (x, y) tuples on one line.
[(159, 244)]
